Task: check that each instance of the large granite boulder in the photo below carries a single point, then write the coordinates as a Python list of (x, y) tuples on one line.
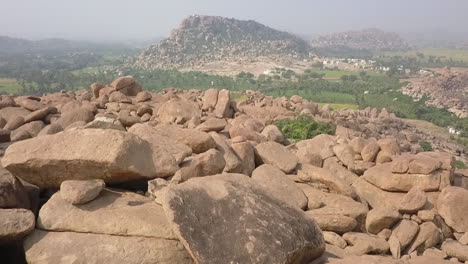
[(229, 219), (111, 155), (452, 205)]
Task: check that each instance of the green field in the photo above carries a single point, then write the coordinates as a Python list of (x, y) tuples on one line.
[(9, 86), (336, 74), (454, 54), (341, 106)]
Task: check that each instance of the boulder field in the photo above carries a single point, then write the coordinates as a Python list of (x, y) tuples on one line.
[(116, 174)]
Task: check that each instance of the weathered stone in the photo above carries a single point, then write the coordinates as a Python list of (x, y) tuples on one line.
[(309, 173), (178, 110), (321, 144), (111, 155), (377, 198), (50, 130), (370, 151), (127, 85), (29, 104), (210, 99), (435, 253), (334, 239), (423, 165), (105, 123), (32, 129), (80, 192), (332, 203), (197, 140), (341, 172), (178, 150), (14, 123), (452, 205), (378, 219), (70, 117), (277, 155), (389, 145), (414, 200), (12, 191), (344, 153), (361, 244), (272, 133), (222, 105), (15, 224), (455, 249), (383, 177), (73, 248), (198, 208), (404, 232), (383, 157), (208, 163), (246, 152), (279, 185), (112, 213), (40, 114), (334, 223), (428, 236), (212, 124), (233, 162)]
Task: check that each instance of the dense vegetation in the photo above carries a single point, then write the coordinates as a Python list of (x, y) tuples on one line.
[(304, 127)]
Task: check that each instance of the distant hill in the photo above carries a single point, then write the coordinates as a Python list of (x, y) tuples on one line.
[(366, 40), (202, 39), (14, 46)]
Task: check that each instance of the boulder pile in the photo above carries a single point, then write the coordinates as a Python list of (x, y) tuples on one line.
[(120, 175)]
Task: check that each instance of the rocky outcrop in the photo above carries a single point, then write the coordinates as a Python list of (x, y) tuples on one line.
[(203, 39), (139, 187), (197, 210)]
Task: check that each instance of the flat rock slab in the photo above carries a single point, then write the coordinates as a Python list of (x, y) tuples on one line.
[(80, 248), (113, 213), (111, 155), (228, 218)]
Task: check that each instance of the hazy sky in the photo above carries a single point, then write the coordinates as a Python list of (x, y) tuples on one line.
[(140, 19)]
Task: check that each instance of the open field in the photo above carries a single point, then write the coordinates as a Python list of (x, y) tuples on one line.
[(454, 54), (340, 106), (9, 86)]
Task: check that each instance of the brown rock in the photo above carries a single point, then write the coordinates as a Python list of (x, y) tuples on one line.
[(277, 155), (198, 141), (223, 104), (246, 152), (414, 200), (334, 223), (279, 185), (361, 244), (370, 151), (379, 219), (81, 192), (111, 155), (452, 205), (15, 224), (68, 247), (251, 223)]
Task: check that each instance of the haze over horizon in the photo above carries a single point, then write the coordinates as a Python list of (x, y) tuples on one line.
[(144, 19)]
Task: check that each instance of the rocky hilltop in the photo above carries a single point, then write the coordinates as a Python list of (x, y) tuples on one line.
[(116, 174), (367, 39), (446, 89), (203, 39)]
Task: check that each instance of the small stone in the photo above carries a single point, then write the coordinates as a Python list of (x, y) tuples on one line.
[(416, 219), (385, 234), (414, 200), (426, 215), (80, 192), (334, 239)]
